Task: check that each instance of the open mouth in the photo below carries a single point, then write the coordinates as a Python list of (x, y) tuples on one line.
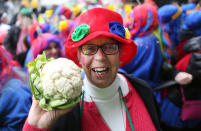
[(101, 71)]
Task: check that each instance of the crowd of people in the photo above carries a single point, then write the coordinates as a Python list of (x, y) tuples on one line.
[(146, 76)]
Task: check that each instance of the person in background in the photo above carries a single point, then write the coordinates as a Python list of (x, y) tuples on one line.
[(170, 20), (151, 60), (10, 9), (16, 41), (3, 22), (111, 101), (15, 96), (24, 22), (45, 42), (187, 28), (190, 62)]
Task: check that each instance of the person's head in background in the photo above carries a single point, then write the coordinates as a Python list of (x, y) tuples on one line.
[(170, 18), (193, 1), (3, 17), (100, 46), (144, 24), (47, 42), (52, 51), (190, 31), (24, 18), (191, 26), (3, 21)]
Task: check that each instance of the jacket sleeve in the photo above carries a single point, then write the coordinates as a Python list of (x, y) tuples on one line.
[(28, 127), (169, 73)]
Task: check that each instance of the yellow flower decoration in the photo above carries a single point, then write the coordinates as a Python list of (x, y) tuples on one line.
[(111, 7), (128, 8), (77, 9), (49, 13), (64, 24), (34, 3), (25, 3), (127, 34)]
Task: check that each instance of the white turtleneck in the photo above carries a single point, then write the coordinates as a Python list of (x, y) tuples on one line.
[(109, 102)]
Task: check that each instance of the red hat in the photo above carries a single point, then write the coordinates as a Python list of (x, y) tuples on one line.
[(100, 22)]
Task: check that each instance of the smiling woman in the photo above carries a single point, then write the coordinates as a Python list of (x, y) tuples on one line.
[(110, 101), (100, 66)]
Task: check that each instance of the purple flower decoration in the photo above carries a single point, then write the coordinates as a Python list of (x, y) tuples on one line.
[(117, 28)]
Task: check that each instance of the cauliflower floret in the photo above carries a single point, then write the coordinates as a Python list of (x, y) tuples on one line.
[(61, 78)]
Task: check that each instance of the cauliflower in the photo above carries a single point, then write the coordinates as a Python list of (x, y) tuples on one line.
[(55, 83)]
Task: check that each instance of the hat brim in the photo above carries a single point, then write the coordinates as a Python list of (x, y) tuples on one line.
[(128, 48)]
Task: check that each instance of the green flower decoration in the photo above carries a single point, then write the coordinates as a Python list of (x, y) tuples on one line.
[(25, 11), (80, 32)]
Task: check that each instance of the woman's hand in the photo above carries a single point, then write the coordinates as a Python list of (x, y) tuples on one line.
[(44, 119), (183, 78)]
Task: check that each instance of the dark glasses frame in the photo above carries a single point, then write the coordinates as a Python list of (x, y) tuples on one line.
[(115, 45)]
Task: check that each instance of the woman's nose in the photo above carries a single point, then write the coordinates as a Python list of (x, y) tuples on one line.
[(54, 50), (99, 54)]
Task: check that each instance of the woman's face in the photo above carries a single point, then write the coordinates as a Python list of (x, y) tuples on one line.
[(52, 51), (100, 69)]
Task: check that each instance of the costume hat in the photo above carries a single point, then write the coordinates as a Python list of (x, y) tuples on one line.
[(100, 22)]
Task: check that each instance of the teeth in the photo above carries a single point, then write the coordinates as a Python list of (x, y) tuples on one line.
[(100, 73), (100, 69)]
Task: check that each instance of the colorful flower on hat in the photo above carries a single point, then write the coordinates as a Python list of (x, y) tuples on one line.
[(111, 7), (80, 32), (77, 9), (49, 13), (34, 3), (64, 24), (117, 28), (127, 34)]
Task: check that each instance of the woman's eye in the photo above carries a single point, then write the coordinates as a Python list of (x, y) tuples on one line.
[(85, 51), (90, 48), (109, 47)]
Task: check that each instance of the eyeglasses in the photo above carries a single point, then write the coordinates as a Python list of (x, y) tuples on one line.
[(91, 49)]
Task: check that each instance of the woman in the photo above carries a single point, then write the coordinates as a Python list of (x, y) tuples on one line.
[(150, 54), (15, 96), (46, 42), (111, 101)]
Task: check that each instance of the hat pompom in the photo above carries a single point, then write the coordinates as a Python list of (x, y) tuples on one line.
[(127, 34), (80, 32), (117, 28)]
